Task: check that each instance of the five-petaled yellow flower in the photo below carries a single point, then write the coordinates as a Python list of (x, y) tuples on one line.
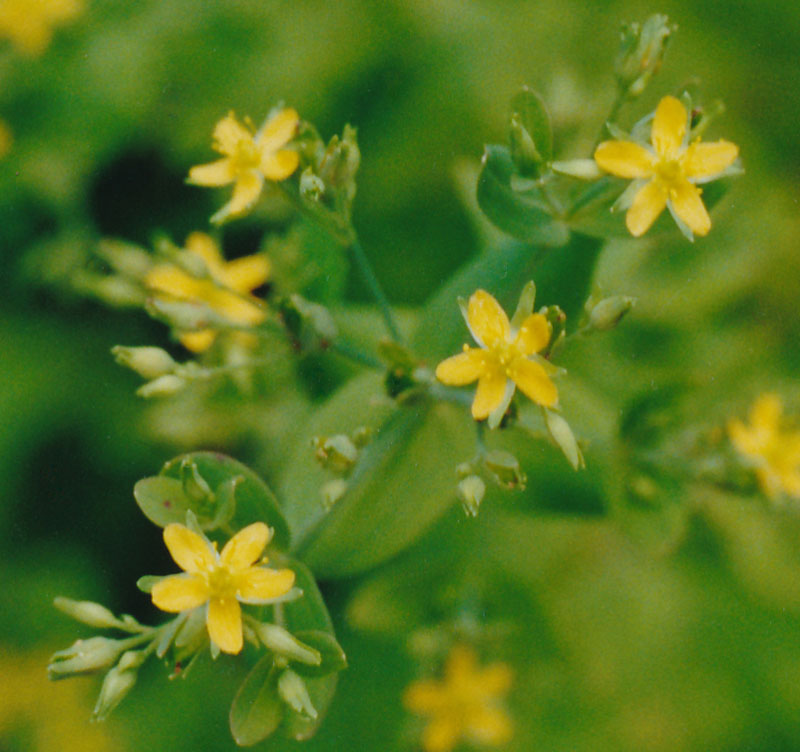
[(465, 704), (29, 23), (505, 359), (226, 289), (672, 169), (220, 580), (248, 159), (773, 451)]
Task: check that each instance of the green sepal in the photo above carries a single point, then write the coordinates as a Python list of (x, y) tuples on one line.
[(146, 583), (257, 709), (522, 214), (533, 116)]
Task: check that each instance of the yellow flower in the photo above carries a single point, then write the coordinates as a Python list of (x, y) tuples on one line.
[(506, 358), (29, 23), (221, 580), (771, 450), (249, 159), (226, 291), (672, 169), (464, 704)]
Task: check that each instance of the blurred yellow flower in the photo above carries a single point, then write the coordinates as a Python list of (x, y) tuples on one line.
[(221, 580), (672, 170), (226, 291), (29, 23), (506, 358), (771, 450), (50, 717), (248, 159), (465, 704)]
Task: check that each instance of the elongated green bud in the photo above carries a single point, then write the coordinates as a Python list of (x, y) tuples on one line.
[(281, 641), (294, 693), (148, 362), (87, 612), (84, 657)]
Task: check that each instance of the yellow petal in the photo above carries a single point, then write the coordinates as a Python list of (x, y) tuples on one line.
[(745, 440), (247, 273), (228, 132), (624, 159), (489, 726), (770, 483), (246, 546), (425, 697), (224, 622), (245, 192), (172, 280), (236, 308), (278, 131), (688, 206), (669, 127), (190, 551), (487, 320), (765, 413), (533, 382), (204, 246), (460, 664), (180, 592), (441, 734), (463, 368), (216, 173), (490, 393), (262, 584), (648, 203), (198, 342), (703, 161), (534, 334), (279, 165)]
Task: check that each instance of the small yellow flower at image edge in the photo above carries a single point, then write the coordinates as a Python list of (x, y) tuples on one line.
[(248, 159), (226, 290), (506, 358), (668, 172), (771, 450), (220, 581), (29, 23), (464, 705)]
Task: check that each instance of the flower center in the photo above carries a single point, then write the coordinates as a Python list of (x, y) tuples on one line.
[(221, 582), (669, 170), (246, 155), (504, 352)]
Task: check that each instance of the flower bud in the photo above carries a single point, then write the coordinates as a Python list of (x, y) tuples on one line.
[(281, 641), (124, 258), (609, 312), (185, 315), (311, 186), (337, 453), (471, 491), (118, 682), (163, 386), (194, 485), (583, 169), (87, 612), (293, 691), (148, 362), (504, 468), (641, 52), (84, 657), (332, 491)]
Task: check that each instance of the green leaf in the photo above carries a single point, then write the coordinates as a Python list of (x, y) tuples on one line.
[(308, 613), (530, 107), (162, 500), (402, 483), (563, 276), (236, 485), (521, 214), (333, 657), (257, 710)]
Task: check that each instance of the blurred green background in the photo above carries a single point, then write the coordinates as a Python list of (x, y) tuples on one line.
[(621, 637)]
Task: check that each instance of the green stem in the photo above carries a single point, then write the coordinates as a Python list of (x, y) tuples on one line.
[(365, 268), (350, 351), (612, 115)]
